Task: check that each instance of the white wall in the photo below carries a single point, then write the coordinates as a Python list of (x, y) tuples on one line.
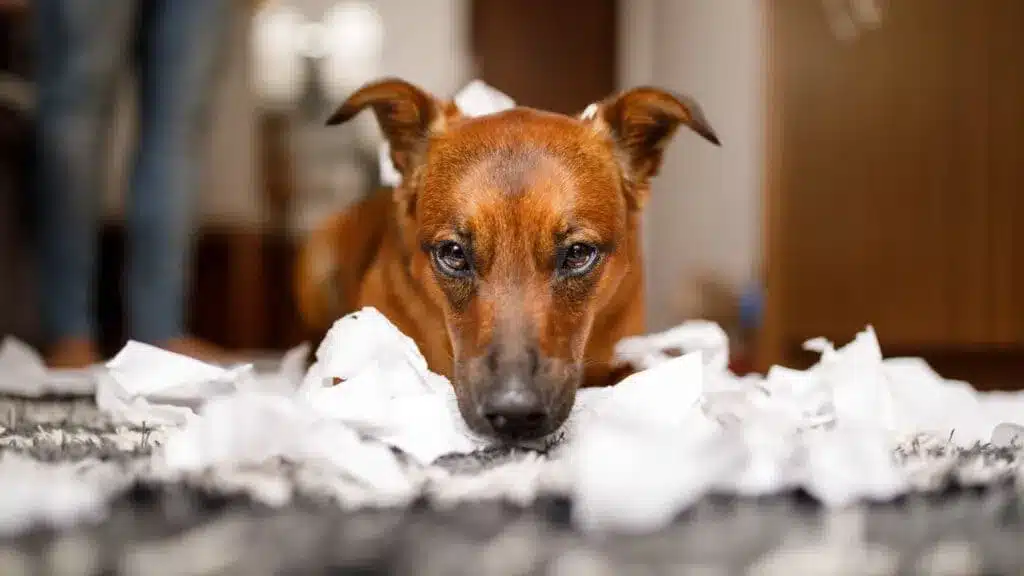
[(427, 42), (703, 219)]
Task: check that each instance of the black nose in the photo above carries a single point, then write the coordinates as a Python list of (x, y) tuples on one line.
[(516, 414)]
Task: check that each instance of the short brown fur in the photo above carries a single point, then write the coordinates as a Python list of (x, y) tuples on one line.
[(514, 191)]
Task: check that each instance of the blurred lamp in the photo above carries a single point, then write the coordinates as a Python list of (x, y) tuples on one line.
[(345, 48), (353, 42), (277, 63)]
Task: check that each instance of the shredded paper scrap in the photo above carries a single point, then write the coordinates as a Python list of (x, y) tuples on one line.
[(368, 423)]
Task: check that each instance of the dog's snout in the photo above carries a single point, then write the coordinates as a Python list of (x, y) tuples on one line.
[(516, 412), (524, 363), (518, 397)]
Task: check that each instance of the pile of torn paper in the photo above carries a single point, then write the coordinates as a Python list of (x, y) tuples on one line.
[(368, 422)]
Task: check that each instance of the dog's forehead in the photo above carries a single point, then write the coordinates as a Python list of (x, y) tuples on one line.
[(521, 152)]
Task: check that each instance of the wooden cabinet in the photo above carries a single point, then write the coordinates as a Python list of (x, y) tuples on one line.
[(896, 178)]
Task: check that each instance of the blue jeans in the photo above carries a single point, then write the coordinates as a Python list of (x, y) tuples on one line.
[(83, 48)]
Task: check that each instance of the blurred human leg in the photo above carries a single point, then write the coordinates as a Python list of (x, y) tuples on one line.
[(181, 45), (81, 49)]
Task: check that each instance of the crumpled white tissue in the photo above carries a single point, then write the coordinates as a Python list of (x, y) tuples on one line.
[(633, 479), (860, 393), (372, 377), (476, 99), (848, 463), (831, 430), (662, 397), (924, 402), (33, 493), (146, 385), (645, 352), (369, 390), (631, 456), (253, 428), (650, 420), (480, 99), (1008, 434), (23, 373)]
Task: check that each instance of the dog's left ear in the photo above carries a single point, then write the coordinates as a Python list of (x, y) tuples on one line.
[(641, 122)]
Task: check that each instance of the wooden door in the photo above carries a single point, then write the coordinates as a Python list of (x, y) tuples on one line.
[(896, 177), (554, 55), (1006, 170)]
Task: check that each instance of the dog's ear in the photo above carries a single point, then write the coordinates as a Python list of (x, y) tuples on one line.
[(641, 122), (408, 117)]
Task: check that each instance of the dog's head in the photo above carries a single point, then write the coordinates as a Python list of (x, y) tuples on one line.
[(520, 227)]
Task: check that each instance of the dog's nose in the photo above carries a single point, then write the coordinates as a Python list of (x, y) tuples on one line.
[(516, 413)]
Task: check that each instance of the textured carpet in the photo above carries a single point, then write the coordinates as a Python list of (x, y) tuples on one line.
[(200, 526)]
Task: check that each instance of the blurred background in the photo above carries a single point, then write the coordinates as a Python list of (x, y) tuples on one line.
[(872, 168)]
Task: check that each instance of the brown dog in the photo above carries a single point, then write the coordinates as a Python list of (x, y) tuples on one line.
[(510, 252)]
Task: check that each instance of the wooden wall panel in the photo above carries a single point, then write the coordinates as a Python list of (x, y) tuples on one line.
[(898, 174), (1006, 114), (967, 253), (557, 56)]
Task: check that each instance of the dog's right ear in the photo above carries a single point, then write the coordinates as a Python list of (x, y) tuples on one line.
[(408, 117)]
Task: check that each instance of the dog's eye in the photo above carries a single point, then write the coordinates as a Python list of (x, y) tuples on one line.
[(579, 259), (451, 259)]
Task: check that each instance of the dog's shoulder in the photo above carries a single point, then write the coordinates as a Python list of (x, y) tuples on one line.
[(336, 256)]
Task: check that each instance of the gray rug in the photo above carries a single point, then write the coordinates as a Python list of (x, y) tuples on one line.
[(198, 528)]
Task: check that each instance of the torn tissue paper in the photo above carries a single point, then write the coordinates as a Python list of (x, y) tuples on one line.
[(146, 385), (853, 427), (372, 377), (831, 430), (648, 351), (678, 429), (23, 373), (252, 428), (35, 493)]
